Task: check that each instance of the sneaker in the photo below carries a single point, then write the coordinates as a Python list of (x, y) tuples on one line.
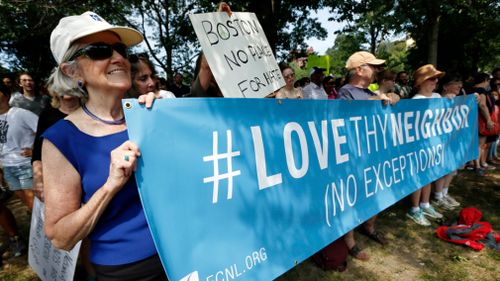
[(451, 201), (431, 212), (488, 167), (418, 217), (443, 204), (17, 247)]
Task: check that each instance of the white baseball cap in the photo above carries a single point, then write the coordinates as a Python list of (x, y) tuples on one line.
[(72, 28)]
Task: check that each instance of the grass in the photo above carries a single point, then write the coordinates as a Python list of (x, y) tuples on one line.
[(414, 252)]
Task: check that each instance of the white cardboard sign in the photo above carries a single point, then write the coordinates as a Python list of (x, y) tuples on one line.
[(47, 261), (238, 54)]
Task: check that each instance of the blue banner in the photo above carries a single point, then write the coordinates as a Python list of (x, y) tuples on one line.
[(247, 188)]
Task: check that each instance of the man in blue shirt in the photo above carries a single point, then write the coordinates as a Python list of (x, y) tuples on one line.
[(362, 67)]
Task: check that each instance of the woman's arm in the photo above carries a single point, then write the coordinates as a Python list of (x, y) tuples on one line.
[(483, 110), (67, 221)]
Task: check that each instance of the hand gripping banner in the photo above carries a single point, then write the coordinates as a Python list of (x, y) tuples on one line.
[(247, 188)]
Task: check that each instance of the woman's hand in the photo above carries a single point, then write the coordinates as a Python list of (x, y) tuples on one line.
[(389, 98), (490, 124), (147, 99), (26, 152), (449, 96), (122, 165), (394, 98), (224, 7)]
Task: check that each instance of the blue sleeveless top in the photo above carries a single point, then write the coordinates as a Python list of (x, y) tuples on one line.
[(121, 235)]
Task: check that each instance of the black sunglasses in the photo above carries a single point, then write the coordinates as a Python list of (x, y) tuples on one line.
[(101, 51)]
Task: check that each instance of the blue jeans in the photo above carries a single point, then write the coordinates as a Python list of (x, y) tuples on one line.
[(18, 177)]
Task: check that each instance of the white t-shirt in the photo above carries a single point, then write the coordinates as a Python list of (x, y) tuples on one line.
[(433, 96), (166, 94), (314, 92), (17, 131)]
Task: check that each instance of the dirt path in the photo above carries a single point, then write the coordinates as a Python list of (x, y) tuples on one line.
[(414, 252)]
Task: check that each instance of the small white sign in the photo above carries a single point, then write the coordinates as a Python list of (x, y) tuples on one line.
[(47, 261), (238, 54)]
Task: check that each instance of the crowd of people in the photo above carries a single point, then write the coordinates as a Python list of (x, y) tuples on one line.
[(368, 79), (71, 149)]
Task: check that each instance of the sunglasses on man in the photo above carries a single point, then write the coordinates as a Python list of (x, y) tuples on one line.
[(101, 51)]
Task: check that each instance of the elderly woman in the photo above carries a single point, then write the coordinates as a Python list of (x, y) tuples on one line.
[(88, 161), (426, 79), (144, 78)]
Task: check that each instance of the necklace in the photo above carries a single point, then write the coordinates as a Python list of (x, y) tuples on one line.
[(95, 117)]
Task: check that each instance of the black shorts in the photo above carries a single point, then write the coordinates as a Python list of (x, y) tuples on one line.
[(490, 139), (149, 269)]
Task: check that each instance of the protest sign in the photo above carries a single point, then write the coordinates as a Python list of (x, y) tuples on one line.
[(48, 262), (247, 188), (319, 61), (238, 53)]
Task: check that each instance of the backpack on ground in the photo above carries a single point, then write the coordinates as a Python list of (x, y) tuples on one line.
[(333, 256)]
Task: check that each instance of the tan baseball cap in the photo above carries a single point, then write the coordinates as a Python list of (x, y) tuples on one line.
[(359, 58), (72, 28)]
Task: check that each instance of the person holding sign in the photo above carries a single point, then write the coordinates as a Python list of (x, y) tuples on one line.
[(362, 67), (451, 86), (386, 81), (88, 161), (426, 79), (204, 84), (289, 91)]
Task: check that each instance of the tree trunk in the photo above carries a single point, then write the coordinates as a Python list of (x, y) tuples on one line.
[(433, 34), (373, 39), (268, 13), (168, 45)]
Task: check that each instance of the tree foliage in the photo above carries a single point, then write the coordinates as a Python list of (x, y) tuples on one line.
[(468, 37), (169, 38), (26, 27), (373, 19), (345, 45), (171, 42), (458, 34), (395, 53)]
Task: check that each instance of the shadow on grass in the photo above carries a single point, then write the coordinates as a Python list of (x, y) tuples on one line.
[(414, 251)]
